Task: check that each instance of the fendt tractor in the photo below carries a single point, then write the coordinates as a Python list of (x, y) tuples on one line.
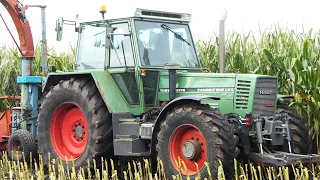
[(138, 91)]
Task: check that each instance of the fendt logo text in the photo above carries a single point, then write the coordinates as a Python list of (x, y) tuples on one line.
[(265, 92)]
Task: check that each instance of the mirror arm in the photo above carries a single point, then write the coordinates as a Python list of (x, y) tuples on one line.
[(69, 22)]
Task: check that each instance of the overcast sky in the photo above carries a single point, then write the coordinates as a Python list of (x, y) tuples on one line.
[(242, 16)]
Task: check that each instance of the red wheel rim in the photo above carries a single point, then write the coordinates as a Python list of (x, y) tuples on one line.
[(69, 131), (186, 139)]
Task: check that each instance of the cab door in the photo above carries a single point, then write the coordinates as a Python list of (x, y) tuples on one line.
[(121, 66)]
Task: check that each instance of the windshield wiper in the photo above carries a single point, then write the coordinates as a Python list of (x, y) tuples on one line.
[(178, 36)]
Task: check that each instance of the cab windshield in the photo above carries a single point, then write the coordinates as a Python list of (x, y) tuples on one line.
[(161, 43)]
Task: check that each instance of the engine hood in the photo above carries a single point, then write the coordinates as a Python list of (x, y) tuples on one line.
[(225, 86), (203, 82)]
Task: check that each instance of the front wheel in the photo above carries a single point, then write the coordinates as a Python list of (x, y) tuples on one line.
[(196, 134)]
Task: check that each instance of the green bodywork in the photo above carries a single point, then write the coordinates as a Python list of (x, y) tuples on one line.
[(124, 89), (190, 82), (223, 86)]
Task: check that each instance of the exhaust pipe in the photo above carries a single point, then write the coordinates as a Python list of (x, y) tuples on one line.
[(222, 41), (172, 79)]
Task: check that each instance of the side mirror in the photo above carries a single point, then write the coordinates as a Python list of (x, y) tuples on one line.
[(59, 28)]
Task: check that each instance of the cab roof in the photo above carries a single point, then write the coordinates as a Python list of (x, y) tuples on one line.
[(153, 15)]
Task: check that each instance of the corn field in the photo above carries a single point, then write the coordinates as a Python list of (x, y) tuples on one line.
[(293, 57), (140, 170)]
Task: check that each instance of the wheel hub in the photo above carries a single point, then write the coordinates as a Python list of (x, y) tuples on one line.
[(191, 149), (78, 130)]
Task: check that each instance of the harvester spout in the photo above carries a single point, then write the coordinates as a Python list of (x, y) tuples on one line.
[(44, 64)]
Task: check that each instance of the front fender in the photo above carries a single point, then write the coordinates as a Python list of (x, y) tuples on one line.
[(204, 99)]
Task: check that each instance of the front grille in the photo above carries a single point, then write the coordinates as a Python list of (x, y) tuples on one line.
[(242, 94), (265, 96)]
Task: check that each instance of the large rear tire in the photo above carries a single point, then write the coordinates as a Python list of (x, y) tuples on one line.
[(74, 123), (299, 131), (203, 131)]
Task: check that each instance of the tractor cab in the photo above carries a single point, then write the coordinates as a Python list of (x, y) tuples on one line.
[(146, 40), (136, 49)]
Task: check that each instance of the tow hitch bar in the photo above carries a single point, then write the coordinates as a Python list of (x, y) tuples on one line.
[(284, 158)]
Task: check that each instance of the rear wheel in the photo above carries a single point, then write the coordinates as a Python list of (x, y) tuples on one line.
[(74, 124), (299, 131), (196, 134), (21, 145)]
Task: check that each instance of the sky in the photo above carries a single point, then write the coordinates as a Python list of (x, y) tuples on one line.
[(242, 16)]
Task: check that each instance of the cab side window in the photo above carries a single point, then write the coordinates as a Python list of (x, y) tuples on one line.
[(121, 53)]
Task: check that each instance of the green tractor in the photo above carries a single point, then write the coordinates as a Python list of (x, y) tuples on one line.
[(138, 91)]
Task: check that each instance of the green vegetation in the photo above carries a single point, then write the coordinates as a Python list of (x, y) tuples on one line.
[(10, 68)]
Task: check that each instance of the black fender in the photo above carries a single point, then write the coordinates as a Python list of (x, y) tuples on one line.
[(176, 102)]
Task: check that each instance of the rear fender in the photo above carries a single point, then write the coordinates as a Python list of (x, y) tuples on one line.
[(104, 82), (201, 99)]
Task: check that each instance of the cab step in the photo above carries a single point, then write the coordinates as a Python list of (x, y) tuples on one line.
[(129, 147)]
